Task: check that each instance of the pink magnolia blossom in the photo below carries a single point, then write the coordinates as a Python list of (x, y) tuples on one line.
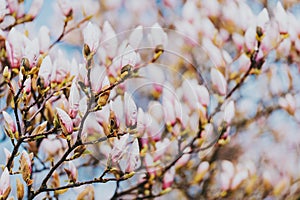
[(3, 9), (201, 170), (238, 178), (133, 157), (74, 100), (13, 5), (213, 52), (238, 40), (7, 154), (52, 147), (281, 18), (250, 38), (136, 37), (262, 18), (169, 178), (27, 85), (27, 159), (98, 74), (109, 39), (218, 81), (288, 103), (130, 110), (35, 7), (10, 124), (119, 148), (44, 39), (149, 164), (129, 57), (46, 70), (72, 172), (65, 6), (185, 158), (190, 11), (91, 36), (5, 184), (15, 47), (158, 36), (229, 112), (226, 174), (65, 120)]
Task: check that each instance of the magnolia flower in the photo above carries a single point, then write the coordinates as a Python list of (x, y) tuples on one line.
[(250, 38), (27, 85), (25, 166), (213, 52), (158, 36), (72, 172), (3, 10), (226, 174), (262, 18), (281, 18), (133, 156), (149, 164), (44, 39), (229, 112), (7, 154), (52, 147), (201, 171), (288, 103), (15, 47), (35, 7), (120, 147), (109, 40), (238, 178), (129, 57), (91, 36), (218, 81), (13, 5), (169, 178), (136, 37), (9, 122), (65, 6), (5, 187), (45, 71), (65, 122), (130, 110), (74, 99), (98, 77)]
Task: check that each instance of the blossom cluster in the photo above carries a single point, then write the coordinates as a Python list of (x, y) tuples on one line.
[(191, 99)]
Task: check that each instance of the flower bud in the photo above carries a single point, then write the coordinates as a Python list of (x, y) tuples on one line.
[(6, 74), (25, 167), (20, 189), (5, 187)]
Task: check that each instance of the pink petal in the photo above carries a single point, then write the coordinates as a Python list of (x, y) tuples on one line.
[(66, 121), (218, 81), (281, 17), (134, 156), (158, 36), (46, 70), (129, 57), (98, 73), (74, 99), (9, 122), (4, 181), (109, 40), (229, 112), (130, 110), (169, 178), (136, 37), (35, 7), (91, 36)]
